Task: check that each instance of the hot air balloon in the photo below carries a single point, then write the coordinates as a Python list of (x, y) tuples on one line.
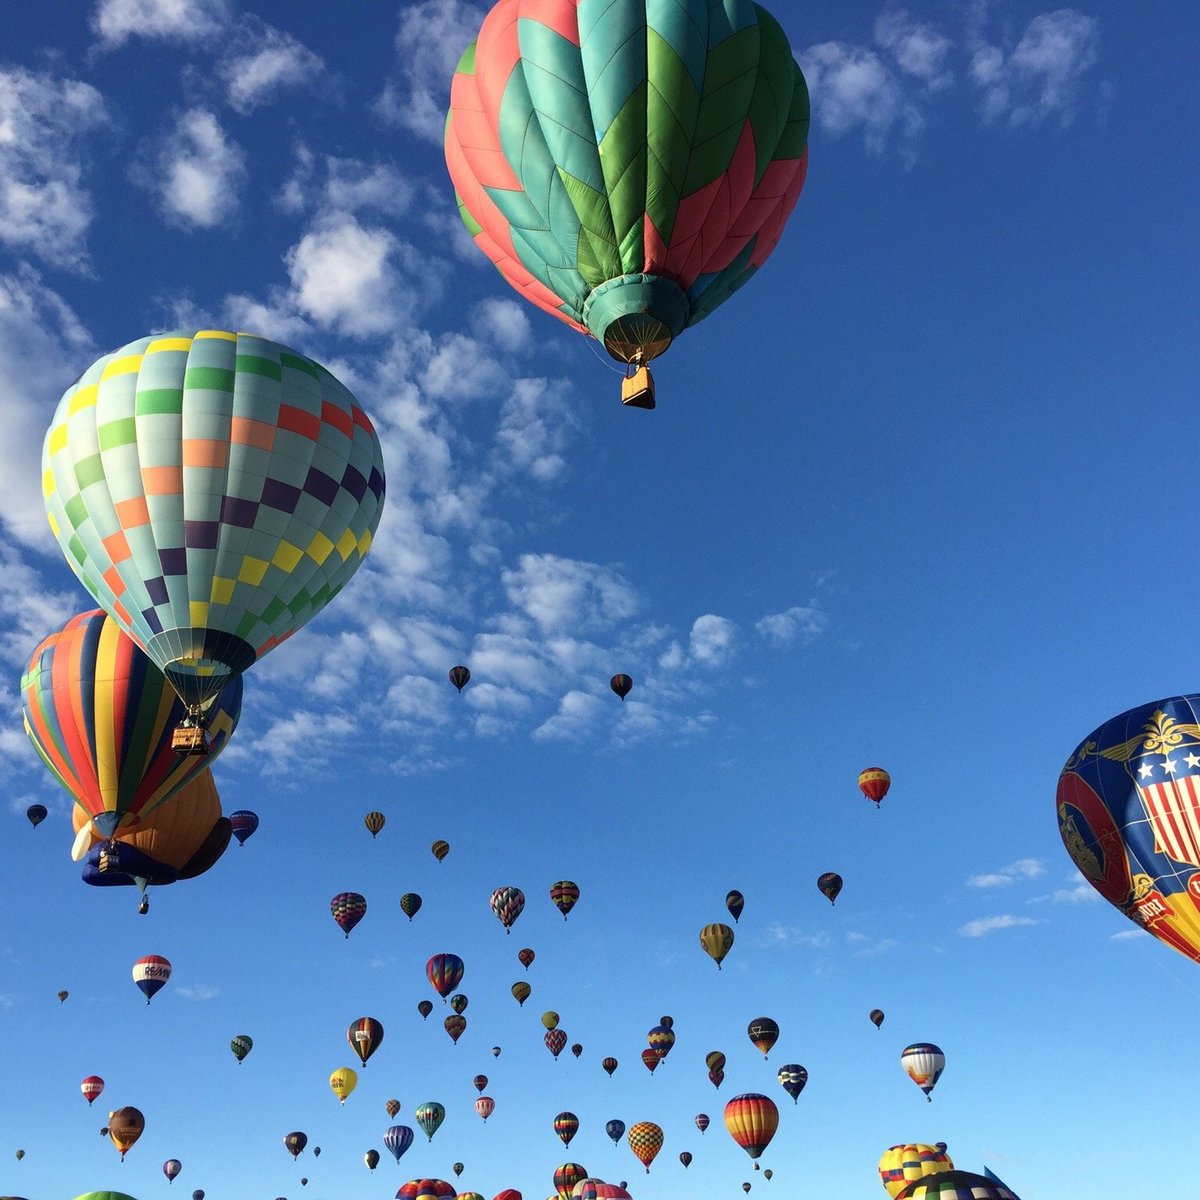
[(507, 904), (667, 1022), (746, 1188), (876, 1016), (764, 1033), (508, 1194), (272, 462), (102, 716), (244, 823), (392, 1107), (480, 1082), (295, 1143), (610, 1065), (460, 677), (20, 1155), (150, 974), (716, 941), (714, 1060), (458, 1169), (455, 1025), (957, 1185), (440, 849), (410, 904), (622, 685), (485, 1106), (374, 821), (430, 1116), (1129, 816), (564, 894), (550, 1019), (661, 1039), (924, 1063), (630, 246), (424, 1007), (702, 1121), (735, 902), (716, 1078), (525, 957), (348, 908), (365, 1036), (566, 1125), (62, 997), (597, 1189), (767, 1174), (36, 813), (316, 1152), (445, 972), (342, 1082), (241, 1046), (398, 1139), (125, 1126), (566, 1177), (900, 1165), (829, 885), (645, 1140), (793, 1077), (371, 1158), (521, 992), (874, 783), (685, 1157), (576, 1048), (752, 1119), (615, 1130), (459, 1003), (198, 1194), (650, 1060), (171, 1168), (91, 1087), (495, 1051), (555, 1040)]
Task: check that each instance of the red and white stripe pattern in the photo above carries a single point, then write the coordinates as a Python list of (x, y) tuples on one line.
[(1173, 808)]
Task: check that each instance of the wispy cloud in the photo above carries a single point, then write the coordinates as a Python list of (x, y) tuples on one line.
[(1023, 868), (267, 62), (778, 934), (116, 21), (198, 991), (986, 925), (1127, 935)]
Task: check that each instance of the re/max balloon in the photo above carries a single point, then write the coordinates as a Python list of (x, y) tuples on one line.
[(91, 1087), (213, 491), (150, 974)]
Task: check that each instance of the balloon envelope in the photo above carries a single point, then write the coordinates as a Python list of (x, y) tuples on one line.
[(244, 824), (445, 972), (957, 1185), (125, 1126), (150, 974), (924, 1063), (342, 1082), (901, 1165), (365, 1036), (645, 1140), (716, 940), (348, 908), (874, 783), (397, 1140), (829, 884)]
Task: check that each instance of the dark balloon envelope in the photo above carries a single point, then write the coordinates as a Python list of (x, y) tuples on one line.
[(460, 676), (621, 684), (36, 813), (735, 902), (1129, 815), (830, 885)]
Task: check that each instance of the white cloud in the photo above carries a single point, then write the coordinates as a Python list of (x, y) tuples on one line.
[(919, 49), (712, 640), (1079, 893), (168, 20), (986, 925), (1041, 79), (1127, 935), (778, 934), (578, 714), (269, 62), (198, 991), (802, 622), (503, 321), (429, 42), (1023, 868), (44, 208), (32, 608), (195, 172), (566, 595), (298, 743), (43, 347), (536, 425), (462, 369)]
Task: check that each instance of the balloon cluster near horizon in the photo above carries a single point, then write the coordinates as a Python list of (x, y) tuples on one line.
[(627, 168)]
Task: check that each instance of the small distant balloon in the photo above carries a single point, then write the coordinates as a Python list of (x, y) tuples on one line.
[(62, 996), (615, 1130), (243, 823), (241, 1046), (830, 885), (735, 902), (455, 1025), (556, 1041), (610, 1065), (495, 1051), (702, 1121), (767, 1174), (764, 1033), (685, 1157), (716, 1078), (550, 1019), (508, 903), (716, 940), (924, 1063), (365, 1037), (793, 1077), (392, 1107), (876, 1016), (348, 908), (525, 957), (564, 894), (650, 1060), (480, 1082), (457, 1168), (622, 685), (521, 992), (171, 1168), (485, 1106), (460, 676), (91, 1087), (374, 821), (874, 783), (295, 1143), (36, 813), (371, 1158), (424, 1007), (440, 849), (459, 1003), (410, 904), (576, 1048), (566, 1125)]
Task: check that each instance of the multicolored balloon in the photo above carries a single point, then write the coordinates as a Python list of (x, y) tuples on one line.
[(793, 1077), (91, 1087), (752, 1119), (342, 1082), (924, 1063), (440, 849), (566, 1177), (957, 1185), (213, 491), (485, 1106), (702, 1121), (902, 1164), (241, 1046), (764, 1033), (566, 1125), (244, 824), (645, 1140), (348, 908), (829, 885), (430, 1116), (460, 676), (556, 1041), (650, 1060), (714, 1060), (525, 957), (508, 903), (150, 974), (365, 1036), (622, 685), (661, 1038), (874, 783), (716, 940), (521, 992), (459, 1003), (424, 1007), (564, 894), (445, 973), (455, 1025), (392, 1107)]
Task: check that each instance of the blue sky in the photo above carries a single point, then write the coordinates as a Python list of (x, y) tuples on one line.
[(919, 496)]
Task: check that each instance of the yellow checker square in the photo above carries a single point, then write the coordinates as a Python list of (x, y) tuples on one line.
[(53, 525), (198, 612), (58, 439), (320, 548), (48, 484), (223, 334), (131, 364), (183, 343), (364, 543), (252, 570), (85, 397), (346, 544), (222, 590), (287, 556)]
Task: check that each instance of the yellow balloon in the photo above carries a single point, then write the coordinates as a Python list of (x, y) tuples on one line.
[(550, 1019), (343, 1081), (900, 1165), (716, 940)]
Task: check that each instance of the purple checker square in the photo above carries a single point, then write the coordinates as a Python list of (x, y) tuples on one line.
[(201, 535), (174, 562), (156, 589), (375, 483), (354, 483), (321, 486), (151, 618), (280, 495), (235, 511)]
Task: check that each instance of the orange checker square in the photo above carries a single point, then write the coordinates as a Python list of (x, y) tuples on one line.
[(132, 513), (113, 580), (116, 547), (205, 452), (162, 481), (245, 431)]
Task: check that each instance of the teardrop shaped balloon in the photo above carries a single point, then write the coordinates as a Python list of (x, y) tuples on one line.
[(424, 1007), (550, 1019), (241, 1046), (650, 1060), (392, 1107), (371, 1158), (410, 904), (374, 821), (445, 973), (736, 903), (430, 1116), (702, 1121), (716, 1078), (556, 1041), (566, 1125), (150, 974), (610, 1065), (793, 1077), (874, 783), (102, 717), (714, 1060), (91, 1087), (767, 1174), (171, 1169), (716, 940), (460, 676), (458, 1169), (876, 1016), (525, 957), (576, 1048), (365, 1036), (508, 904), (752, 1119), (480, 1082), (615, 1130), (397, 1140), (455, 1025), (295, 1143), (764, 1033), (342, 1082), (244, 824), (125, 1126), (348, 908), (924, 1063), (566, 1177), (685, 1157), (901, 1165), (564, 894), (830, 885), (622, 685), (485, 1106), (521, 992), (645, 1140), (459, 1003), (440, 849), (213, 491), (36, 814)]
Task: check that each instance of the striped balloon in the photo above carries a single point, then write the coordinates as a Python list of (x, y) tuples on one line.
[(566, 1177), (445, 972), (100, 715), (902, 1164), (508, 903), (365, 1036), (924, 1063), (398, 1139), (752, 1119), (213, 491), (150, 974), (716, 940), (627, 167), (348, 908)]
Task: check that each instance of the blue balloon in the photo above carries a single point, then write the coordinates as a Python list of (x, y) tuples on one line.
[(398, 1139), (615, 1130)]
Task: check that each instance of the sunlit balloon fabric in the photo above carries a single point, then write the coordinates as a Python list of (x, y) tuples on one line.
[(627, 167), (957, 1185), (100, 714), (900, 1165), (924, 1062), (1129, 815), (213, 491)]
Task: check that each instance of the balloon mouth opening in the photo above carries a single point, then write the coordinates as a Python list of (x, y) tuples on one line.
[(637, 339)]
